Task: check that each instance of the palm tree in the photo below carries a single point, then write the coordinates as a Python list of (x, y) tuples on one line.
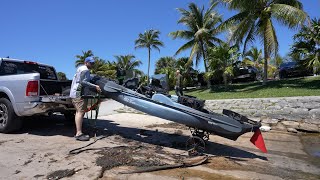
[(62, 76), (278, 60), (128, 62), (111, 69), (149, 39), (184, 65), (186, 70), (81, 58), (222, 58), (164, 62), (200, 33), (103, 68), (307, 45), (170, 72), (255, 19), (254, 56)]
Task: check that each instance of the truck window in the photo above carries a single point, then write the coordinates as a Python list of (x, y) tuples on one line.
[(11, 68)]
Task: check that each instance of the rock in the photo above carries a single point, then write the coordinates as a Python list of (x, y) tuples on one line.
[(292, 100), (249, 112), (297, 105), (282, 103), (276, 107), (312, 105), (301, 111), (314, 113), (308, 127), (290, 124), (292, 117), (288, 110), (274, 100), (271, 122), (313, 120), (277, 116), (280, 127), (293, 130), (255, 119)]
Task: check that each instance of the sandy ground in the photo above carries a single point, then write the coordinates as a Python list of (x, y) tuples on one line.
[(41, 151)]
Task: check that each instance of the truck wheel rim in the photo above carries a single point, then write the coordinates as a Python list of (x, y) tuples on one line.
[(3, 115)]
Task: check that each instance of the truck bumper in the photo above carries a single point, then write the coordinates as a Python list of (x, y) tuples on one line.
[(38, 108)]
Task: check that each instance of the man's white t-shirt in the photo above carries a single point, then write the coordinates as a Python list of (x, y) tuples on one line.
[(77, 80)]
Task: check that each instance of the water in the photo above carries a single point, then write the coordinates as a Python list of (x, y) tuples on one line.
[(311, 143)]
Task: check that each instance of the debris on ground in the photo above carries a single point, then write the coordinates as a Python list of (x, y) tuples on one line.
[(195, 161), (61, 174), (137, 156), (169, 125)]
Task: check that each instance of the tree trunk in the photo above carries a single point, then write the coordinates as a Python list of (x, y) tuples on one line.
[(205, 63), (204, 57), (148, 65), (225, 80), (266, 58)]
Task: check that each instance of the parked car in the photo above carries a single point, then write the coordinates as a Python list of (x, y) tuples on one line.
[(293, 69), (29, 88), (245, 73)]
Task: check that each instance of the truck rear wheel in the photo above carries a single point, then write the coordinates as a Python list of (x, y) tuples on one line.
[(9, 121)]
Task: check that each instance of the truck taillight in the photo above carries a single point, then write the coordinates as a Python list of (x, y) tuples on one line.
[(32, 88), (30, 62)]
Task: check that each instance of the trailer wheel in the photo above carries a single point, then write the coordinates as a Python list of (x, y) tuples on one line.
[(9, 121), (195, 146)]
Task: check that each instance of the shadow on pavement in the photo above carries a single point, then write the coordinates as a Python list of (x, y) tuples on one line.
[(57, 125)]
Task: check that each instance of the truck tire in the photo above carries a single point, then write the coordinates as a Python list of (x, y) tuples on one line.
[(9, 121)]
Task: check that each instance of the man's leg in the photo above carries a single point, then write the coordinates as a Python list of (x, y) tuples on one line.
[(80, 105), (78, 121), (181, 92), (177, 91)]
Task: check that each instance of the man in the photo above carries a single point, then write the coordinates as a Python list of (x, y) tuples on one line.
[(178, 87), (80, 80)]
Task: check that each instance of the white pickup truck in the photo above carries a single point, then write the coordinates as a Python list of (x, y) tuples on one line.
[(29, 88)]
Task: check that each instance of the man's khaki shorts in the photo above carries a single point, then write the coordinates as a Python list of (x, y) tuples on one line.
[(80, 104)]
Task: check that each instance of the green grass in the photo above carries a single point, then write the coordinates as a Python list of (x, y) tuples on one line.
[(309, 86)]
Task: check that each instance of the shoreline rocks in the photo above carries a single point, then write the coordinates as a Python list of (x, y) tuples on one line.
[(285, 113)]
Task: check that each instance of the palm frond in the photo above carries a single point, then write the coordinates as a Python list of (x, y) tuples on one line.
[(288, 15), (195, 53), (271, 40), (185, 47), (250, 37), (183, 34), (242, 4), (232, 21), (293, 3), (242, 29)]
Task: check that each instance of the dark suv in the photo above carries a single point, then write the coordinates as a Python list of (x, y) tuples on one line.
[(246, 73), (293, 69)]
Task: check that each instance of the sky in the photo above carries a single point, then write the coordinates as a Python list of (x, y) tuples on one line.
[(55, 31)]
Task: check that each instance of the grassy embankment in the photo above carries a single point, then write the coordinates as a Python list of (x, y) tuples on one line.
[(308, 86)]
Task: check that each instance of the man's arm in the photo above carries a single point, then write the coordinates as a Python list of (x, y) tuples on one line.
[(85, 79)]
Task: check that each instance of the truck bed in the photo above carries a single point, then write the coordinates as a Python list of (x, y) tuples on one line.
[(54, 87)]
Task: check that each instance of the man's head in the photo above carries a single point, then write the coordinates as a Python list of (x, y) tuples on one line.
[(89, 62), (178, 71)]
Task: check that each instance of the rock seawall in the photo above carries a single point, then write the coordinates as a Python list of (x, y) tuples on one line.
[(288, 113)]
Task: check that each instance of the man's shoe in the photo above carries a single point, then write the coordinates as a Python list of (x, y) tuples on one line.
[(82, 137)]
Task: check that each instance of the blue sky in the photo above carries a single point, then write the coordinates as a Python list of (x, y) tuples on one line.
[(55, 31)]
